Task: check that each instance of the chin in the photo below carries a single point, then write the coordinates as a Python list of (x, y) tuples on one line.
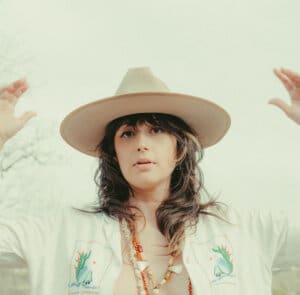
[(144, 185), (148, 185)]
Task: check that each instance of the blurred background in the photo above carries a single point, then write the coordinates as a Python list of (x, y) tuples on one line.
[(73, 52)]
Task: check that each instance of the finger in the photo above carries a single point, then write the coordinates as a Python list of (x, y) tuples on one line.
[(26, 117), (18, 88), (19, 91), (293, 76), (288, 84), (4, 88), (5, 95), (281, 104), (21, 83), (12, 97)]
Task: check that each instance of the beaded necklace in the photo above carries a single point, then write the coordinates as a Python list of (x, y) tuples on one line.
[(141, 267)]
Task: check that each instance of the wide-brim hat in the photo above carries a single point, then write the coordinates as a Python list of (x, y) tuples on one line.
[(142, 92)]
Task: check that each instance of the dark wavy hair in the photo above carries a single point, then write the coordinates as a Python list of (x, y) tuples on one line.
[(184, 204)]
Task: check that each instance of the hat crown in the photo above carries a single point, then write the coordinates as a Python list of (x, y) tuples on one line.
[(141, 79)]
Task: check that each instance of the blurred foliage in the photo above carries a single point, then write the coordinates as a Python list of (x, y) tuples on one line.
[(286, 282)]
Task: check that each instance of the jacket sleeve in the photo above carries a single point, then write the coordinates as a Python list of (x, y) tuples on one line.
[(278, 235), (12, 240), (287, 254), (22, 235)]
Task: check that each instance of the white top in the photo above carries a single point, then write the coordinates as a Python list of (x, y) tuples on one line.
[(71, 252)]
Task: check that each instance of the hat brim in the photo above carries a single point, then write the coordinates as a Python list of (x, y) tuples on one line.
[(84, 127)]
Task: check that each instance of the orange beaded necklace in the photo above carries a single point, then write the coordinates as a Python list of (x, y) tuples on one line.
[(167, 276), (141, 266)]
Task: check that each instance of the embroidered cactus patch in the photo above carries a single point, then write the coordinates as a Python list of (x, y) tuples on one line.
[(89, 263), (223, 264)]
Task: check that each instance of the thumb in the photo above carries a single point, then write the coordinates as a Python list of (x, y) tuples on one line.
[(26, 117), (281, 104)]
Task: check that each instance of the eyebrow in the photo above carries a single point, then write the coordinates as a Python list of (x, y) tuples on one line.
[(125, 126)]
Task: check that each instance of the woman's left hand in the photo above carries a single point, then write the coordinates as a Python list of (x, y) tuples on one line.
[(291, 81)]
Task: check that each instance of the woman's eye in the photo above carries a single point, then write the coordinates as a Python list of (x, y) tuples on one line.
[(127, 134), (157, 130)]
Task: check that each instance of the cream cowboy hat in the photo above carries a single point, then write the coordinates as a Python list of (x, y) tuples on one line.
[(141, 92)]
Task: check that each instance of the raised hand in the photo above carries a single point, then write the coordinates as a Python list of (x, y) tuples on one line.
[(291, 81), (9, 123)]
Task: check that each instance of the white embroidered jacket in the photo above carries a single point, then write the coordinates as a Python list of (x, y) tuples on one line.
[(71, 252)]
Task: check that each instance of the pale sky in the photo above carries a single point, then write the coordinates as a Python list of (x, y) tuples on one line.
[(73, 52)]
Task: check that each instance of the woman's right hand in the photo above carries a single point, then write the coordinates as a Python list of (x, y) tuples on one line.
[(9, 123)]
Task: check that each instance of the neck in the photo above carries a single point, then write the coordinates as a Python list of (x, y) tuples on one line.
[(148, 202)]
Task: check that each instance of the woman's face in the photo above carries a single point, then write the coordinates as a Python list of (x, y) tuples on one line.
[(146, 155)]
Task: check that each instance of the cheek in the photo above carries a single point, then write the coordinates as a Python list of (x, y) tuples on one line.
[(121, 159), (122, 166), (171, 152)]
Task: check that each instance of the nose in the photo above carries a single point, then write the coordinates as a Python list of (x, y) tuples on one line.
[(142, 148), (142, 142)]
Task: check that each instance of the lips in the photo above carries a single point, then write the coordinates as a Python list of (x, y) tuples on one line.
[(143, 162)]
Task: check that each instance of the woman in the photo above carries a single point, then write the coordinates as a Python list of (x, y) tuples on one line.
[(152, 232)]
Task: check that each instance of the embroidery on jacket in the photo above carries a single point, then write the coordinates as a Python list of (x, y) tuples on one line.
[(84, 275), (215, 258), (223, 265), (89, 264)]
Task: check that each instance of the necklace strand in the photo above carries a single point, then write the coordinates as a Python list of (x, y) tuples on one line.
[(138, 275), (141, 267), (167, 275)]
